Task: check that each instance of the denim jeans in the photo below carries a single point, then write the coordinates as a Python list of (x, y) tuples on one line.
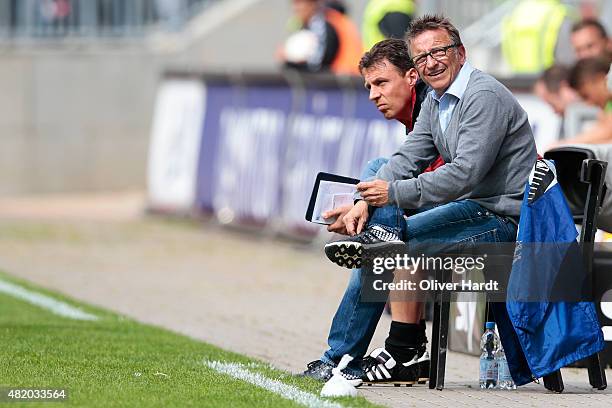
[(355, 321)]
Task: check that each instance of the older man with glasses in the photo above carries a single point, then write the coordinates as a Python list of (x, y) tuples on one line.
[(485, 139)]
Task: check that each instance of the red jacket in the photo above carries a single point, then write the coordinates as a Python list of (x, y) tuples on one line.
[(422, 93)]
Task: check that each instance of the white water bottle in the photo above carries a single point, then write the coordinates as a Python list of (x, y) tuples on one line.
[(489, 344)]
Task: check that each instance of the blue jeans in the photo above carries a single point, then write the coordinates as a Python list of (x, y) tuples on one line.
[(355, 321)]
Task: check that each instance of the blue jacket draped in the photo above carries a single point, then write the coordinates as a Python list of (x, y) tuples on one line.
[(540, 336)]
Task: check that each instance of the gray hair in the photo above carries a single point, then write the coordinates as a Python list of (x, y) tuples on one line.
[(430, 22)]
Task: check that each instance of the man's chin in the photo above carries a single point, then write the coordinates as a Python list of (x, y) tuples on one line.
[(435, 79), (440, 85), (388, 115)]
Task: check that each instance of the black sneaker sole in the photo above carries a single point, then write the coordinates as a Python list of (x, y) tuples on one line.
[(354, 254), (345, 254)]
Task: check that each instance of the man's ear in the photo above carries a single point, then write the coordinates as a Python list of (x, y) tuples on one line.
[(461, 53), (411, 76)]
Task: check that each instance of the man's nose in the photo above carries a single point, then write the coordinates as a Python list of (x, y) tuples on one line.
[(431, 61), (374, 94)]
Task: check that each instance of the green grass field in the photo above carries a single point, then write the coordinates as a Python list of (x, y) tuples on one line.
[(116, 361)]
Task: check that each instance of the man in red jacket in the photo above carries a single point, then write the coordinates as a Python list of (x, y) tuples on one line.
[(397, 92)]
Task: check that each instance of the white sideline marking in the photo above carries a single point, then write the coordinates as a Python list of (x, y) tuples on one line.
[(46, 302), (289, 392)]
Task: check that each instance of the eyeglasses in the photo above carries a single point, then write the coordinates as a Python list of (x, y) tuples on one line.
[(436, 53)]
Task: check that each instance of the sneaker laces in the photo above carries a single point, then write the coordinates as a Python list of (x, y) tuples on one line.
[(380, 233), (349, 376)]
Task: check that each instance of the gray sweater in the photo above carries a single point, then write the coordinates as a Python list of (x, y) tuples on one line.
[(488, 148)]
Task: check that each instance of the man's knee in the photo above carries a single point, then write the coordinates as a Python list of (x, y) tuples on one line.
[(372, 167)]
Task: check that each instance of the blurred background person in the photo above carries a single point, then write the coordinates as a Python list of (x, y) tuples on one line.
[(56, 14), (588, 78), (590, 39), (535, 36), (326, 40), (386, 19), (337, 5), (553, 88)]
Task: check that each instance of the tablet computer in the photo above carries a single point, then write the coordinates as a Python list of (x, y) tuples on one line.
[(330, 191)]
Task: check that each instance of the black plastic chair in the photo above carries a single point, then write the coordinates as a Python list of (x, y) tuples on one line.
[(592, 175)]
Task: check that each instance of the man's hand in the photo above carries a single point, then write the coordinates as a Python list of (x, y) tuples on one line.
[(356, 218), (375, 192), (338, 226)]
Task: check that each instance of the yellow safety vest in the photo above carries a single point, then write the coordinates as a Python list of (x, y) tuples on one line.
[(530, 33), (374, 13)]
